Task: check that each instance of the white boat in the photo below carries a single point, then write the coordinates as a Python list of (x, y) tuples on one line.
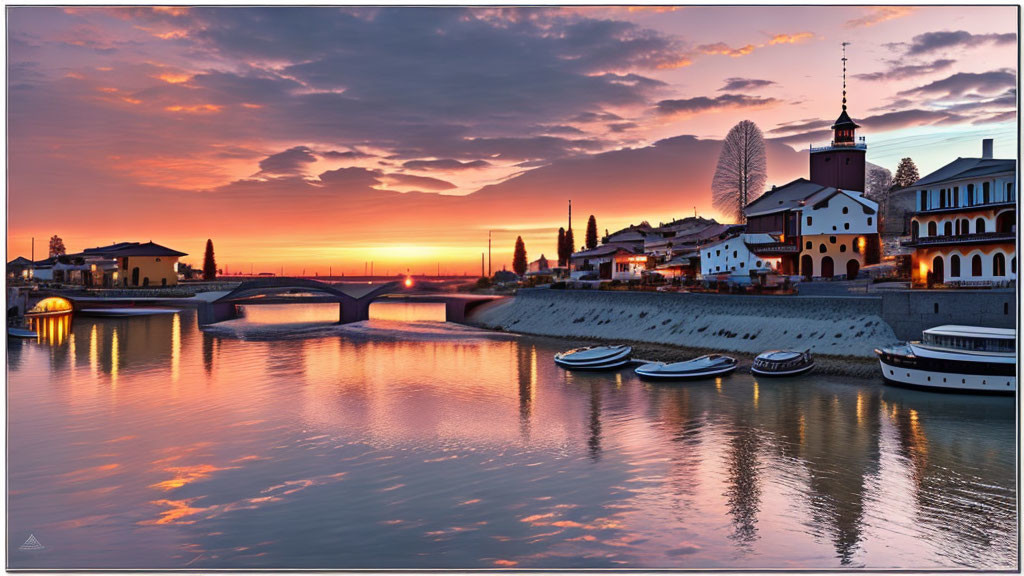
[(20, 333), (594, 357), (702, 367), (782, 363), (955, 358)]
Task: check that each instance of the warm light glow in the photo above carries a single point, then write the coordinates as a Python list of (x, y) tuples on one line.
[(861, 243), (408, 282), (922, 270), (51, 305)]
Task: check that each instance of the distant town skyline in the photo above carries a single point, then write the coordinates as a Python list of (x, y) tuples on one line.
[(323, 138)]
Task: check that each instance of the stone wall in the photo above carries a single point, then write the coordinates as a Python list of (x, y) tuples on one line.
[(910, 312)]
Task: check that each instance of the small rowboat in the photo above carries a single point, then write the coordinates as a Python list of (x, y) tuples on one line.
[(702, 367), (20, 333), (594, 358), (782, 363)]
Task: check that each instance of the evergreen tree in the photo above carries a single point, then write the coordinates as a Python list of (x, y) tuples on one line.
[(209, 264), (519, 257), (570, 244), (563, 258), (906, 174), (591, 233)]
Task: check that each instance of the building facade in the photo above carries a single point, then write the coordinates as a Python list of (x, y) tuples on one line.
[(964, 230)]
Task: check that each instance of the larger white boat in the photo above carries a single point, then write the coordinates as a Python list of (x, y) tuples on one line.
[(955, 358)]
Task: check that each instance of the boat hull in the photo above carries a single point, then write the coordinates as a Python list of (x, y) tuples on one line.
[(612, 365), (927, 379), (21, 333), (796, 372), (682, 376)]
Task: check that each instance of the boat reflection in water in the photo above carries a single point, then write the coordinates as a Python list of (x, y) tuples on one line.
[(143, 442)]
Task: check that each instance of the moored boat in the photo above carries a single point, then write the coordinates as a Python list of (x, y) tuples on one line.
[(954, 358), (782, 363), (594, 357), (15, 332), (702, 367)]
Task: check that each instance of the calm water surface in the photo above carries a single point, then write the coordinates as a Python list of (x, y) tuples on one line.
[(144, 442)]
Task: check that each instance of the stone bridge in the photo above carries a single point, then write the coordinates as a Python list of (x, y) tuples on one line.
[(353, 299)]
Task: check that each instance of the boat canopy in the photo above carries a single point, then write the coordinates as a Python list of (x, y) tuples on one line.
[(973, 332)]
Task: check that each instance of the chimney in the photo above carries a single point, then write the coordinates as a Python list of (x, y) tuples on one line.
[(986, 148)]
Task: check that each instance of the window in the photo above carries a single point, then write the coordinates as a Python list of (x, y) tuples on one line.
[(915, 229), (734, 254), (1013, 265), (718, 252), (822, 249), (846, 225), (1009, 192), (954, 265), (809, 245), (985, 193), (970, 195), (846, 210), (869, 220), (157, 259), (758, 263), (855, 245), (979, 226), (932, 229), (976, 265), (831, 239), (842, 247), (717, 268), (741, 264), (942, 198), (947, 229), (999, 264), (965, 225)]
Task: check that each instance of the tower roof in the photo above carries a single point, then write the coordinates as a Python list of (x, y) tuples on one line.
[(844, 121)]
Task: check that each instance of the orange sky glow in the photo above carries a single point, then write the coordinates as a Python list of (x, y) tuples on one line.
[(324, 138)]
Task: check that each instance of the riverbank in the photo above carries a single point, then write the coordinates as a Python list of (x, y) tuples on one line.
[(842, 333)]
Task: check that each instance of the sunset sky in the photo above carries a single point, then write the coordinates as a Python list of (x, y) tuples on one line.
[(317, 137)]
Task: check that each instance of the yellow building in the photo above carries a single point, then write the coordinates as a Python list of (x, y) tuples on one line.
[(145, 265)]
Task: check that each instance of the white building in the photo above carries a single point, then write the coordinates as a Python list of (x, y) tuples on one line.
[(735, 257)]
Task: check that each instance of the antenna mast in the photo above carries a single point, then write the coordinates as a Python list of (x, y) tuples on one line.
[(845, 44)]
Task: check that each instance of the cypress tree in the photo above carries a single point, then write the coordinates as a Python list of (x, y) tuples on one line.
[(519, 257), (591, 233), (562, 259), (209, 264)]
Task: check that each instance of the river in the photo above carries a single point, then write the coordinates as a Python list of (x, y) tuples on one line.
[(277, 441)]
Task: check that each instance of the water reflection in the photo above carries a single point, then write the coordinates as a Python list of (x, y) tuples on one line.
[(480, 453)]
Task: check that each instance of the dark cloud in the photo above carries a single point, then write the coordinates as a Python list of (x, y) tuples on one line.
[(449, 164), (289, 162), (934, 41), (900, 71), (620, 127), (425, 182), (744, 84), (804, 126), (561, 129), (347, 155), (705, 104), (962, 83)]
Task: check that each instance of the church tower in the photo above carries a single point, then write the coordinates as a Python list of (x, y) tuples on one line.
[(841, 164)]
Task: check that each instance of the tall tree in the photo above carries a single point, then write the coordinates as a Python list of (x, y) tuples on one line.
[(906, 174), (562, 257), (57, 247), (741, 172), (591, 233), (209, 263), (570, 244), (519, 257)]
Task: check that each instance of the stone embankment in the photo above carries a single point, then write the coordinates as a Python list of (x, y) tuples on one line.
[(839, 326)]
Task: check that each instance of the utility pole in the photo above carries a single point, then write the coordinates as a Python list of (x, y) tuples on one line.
[(488, 253), (481, 264), (570, 215), (33, 250)]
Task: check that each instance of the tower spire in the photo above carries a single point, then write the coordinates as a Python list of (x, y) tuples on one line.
[(845, 44)]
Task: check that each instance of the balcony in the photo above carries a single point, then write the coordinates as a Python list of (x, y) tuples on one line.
[(859, 145), (774, 248), (968, 208), (958, 239)]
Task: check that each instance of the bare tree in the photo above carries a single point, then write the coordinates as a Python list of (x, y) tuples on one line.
[(742, 170), (57, 246), (878, 184)]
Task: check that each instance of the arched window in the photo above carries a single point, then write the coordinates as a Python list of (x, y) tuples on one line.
[(947, 229), (999, 264), (976, 265), (846, 225), (915, 229), (932, 229), (954, 266), (965, 226), (809, 245), (855, 245), (842, 247), (846, 210), (822, 249), (734, 254), (979, 226)]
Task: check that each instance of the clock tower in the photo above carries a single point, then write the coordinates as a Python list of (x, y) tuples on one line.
[(841, 164)]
